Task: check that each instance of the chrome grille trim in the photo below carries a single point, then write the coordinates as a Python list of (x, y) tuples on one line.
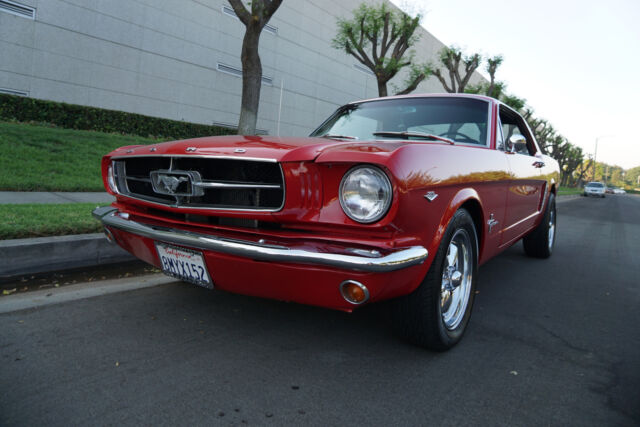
[(123, 182), (218, 184)]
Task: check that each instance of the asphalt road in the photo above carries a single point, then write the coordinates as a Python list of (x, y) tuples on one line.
[(551, 342)]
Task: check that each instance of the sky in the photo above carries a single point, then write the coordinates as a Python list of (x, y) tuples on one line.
[(577, 63)]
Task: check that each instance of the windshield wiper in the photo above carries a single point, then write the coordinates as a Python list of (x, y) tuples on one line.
[(331, 136), (407, 135)]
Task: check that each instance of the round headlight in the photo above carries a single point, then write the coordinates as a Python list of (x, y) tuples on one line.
[(365, 194)]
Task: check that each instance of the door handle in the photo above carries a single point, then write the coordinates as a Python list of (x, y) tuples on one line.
[(538, 164)]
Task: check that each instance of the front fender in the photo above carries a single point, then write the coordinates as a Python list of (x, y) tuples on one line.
[(460, 198)]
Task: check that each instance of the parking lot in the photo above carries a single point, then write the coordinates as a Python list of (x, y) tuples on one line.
[(551, 342)]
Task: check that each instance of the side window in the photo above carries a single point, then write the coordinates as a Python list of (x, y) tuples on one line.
[(514, 125), (499, 137)]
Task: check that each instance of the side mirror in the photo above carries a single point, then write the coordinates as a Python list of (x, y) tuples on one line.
[(517, 143)]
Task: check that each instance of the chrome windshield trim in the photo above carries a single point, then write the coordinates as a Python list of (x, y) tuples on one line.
[(400, 259)]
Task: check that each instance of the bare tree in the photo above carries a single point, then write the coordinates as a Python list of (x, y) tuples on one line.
[(452, 58), (495, 88), (254, 21), (379, 38)]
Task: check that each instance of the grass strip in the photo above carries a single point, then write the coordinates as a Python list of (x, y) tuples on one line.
[(39, 220), (567, 191), (41, 158)]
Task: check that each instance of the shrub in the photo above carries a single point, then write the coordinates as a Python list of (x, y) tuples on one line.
[(71, 116)]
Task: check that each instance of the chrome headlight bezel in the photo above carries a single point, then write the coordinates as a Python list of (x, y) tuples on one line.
[(111, 179), (385, 185)]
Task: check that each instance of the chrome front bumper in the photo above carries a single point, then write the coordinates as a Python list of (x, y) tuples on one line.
[(368, 261)]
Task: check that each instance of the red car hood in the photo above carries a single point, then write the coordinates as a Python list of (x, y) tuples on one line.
[(289, 149)]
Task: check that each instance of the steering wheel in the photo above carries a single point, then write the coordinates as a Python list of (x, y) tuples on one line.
[(467, 138)]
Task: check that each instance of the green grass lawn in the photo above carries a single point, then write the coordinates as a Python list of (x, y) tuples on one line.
[(41, 158), (566, 191), (38, 220)]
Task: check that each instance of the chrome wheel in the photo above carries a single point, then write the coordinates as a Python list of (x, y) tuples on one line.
[(552, 227), (456, 279)]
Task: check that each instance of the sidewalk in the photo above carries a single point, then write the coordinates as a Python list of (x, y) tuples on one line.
[(20, 197)]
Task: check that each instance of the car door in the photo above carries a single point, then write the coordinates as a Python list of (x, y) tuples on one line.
[(526, 186)]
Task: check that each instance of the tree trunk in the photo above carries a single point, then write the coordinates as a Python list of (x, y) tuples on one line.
[(251, 81), (382, 88)]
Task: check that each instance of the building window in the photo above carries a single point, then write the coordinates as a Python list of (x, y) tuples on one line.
[(17, 9), (228, 69), (13, 91), (230, 12)]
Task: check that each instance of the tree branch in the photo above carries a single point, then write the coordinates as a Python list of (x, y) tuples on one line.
[(414, 84), (438, 74), (241, 12)]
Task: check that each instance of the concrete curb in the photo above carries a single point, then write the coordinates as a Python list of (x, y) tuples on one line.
[(44, 297), (46, 254), (567, 198)]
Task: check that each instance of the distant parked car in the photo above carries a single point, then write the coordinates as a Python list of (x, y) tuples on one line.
[(610, 190), (618, 191), (398, 197), (596, 189)]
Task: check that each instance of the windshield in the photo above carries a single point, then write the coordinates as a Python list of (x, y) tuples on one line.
[(460, 119), (595, 184)]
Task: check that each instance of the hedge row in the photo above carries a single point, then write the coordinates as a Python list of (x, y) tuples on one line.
[(71, 116)]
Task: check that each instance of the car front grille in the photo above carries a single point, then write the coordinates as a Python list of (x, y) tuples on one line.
[(202, 182)]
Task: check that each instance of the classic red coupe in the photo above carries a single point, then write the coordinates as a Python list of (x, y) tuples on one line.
[(392, 198)]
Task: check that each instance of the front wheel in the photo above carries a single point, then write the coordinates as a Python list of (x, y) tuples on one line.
[(436, 314), (540, 242)]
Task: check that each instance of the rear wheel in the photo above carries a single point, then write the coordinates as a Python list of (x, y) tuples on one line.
[(540, 242), (436, 314)]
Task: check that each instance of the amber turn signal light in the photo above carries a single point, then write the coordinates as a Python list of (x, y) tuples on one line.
[(354, 292)]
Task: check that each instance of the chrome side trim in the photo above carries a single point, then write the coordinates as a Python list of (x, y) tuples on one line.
[(400, 259), (431, 196)]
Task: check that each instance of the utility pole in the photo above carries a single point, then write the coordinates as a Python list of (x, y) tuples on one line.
[(595, 152)]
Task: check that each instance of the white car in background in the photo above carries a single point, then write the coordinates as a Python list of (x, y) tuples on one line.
[(596, 189)]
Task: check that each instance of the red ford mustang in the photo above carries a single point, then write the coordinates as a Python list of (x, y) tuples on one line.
[(399, 197)]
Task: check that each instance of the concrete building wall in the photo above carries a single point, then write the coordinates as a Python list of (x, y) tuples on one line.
[(161, 58)]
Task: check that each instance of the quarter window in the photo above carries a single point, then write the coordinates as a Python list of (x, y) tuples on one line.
[(512, 124)]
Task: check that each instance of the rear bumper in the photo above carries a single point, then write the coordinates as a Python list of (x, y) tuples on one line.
[(366, 261)]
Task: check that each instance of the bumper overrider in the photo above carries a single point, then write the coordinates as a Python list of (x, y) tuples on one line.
[(362, 264)]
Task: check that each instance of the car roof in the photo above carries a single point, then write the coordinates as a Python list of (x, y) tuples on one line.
[(430, 95)]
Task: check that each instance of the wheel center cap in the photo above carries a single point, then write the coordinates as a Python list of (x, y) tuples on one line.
[(456, 279)]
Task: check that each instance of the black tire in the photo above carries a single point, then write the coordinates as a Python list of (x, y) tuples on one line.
[(418, 317), (540, 242)]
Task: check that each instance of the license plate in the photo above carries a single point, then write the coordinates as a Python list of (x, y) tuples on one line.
[(184, 264)]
